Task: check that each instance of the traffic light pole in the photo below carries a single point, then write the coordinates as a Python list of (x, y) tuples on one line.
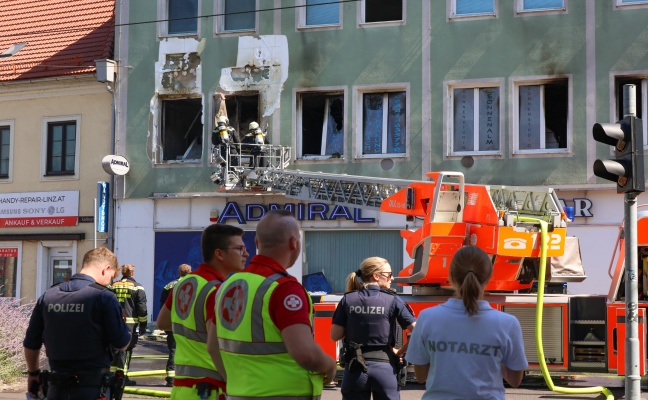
[(632, 379)]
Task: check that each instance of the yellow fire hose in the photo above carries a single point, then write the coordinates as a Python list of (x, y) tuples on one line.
[(544, 240), (147, 392)]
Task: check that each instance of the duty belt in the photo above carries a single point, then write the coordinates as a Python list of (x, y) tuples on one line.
[(78, 379)]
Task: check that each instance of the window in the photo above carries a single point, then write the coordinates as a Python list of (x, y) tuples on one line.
[(474, 126), (5, 149), (181, 130), (540, 5), (61, 147), (621, 3), (542, 120), (182, 17), (383, 123), (382, 10), (472, 8), (321, 124), (317, 13), (242, 108), (237, 15), (641, 105)]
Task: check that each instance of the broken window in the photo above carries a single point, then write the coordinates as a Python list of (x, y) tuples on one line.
[(61, 147), (475, 121), (182, 16), (540, 5), (466, 8), (321, 124), (383, 10), (5, 150), (384, 123), (242, 108), (239, 15), (322, 12), (181, 130), (543, 112), (641, 96)]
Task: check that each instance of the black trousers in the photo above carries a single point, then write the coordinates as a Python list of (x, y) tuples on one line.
[(171, 345)]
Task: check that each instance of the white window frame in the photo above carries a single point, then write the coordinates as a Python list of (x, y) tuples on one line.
[(358, 92), (619, 5), (47, 249), (158, 115), (10, 124), (514, 119), (17, 245), (449, 87), (451, 7), (163, 23), (219, 21), (361, 16), (300, 18), (614, 101), (519, 9), (298, 135), (77, 152)]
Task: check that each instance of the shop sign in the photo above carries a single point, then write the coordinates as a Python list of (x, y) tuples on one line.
[(582, 207), (8, 252), (38, 209), (302, 211)]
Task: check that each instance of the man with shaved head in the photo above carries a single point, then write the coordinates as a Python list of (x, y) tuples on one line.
[(263, 322)]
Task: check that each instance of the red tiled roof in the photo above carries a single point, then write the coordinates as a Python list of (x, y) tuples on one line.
[(63, 37)]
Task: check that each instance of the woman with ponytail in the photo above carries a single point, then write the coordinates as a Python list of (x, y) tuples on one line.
[(463, 348)]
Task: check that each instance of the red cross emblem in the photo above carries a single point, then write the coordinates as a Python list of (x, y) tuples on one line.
[(185, 295), (233, 304)]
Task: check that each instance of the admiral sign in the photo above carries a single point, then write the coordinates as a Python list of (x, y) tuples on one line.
[(38, 209), (115, 165)]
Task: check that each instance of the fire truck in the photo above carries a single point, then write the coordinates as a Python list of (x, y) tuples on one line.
[(523, 229)]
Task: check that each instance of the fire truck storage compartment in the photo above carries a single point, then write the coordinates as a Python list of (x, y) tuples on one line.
[(553, 330), (587, 334)]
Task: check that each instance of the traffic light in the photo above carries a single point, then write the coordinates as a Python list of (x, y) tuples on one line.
[(627, 169)]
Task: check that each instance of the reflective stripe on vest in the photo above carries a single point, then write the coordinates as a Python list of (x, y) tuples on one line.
[(275, 398), (192, 370), (199, 334)]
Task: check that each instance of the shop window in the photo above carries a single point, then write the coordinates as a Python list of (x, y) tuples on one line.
[(542, 122), (181, 130), (540, 5), (182, 16), (9, 271), (641, 104), (62, 147), (321, 125), (472, 8), (317, 13), (5, 151), (475, 124), (237, 15), (383, 10), (383, 119)]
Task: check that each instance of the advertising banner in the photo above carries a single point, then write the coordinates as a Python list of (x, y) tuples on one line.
[(103, 192), (38, 209)]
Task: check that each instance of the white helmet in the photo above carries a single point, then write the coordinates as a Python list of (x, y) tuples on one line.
[(253, 126), (222, 120)]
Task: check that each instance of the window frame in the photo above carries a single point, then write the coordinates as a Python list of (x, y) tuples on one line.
[(451, 7), (358, 94), (449, 87), (10, 124), (298, 133), (615, 101), (46, 121), (163, 23), (159, 146), (219, 21), (514, 102), (300, 18), (362, 19), (519, 9)]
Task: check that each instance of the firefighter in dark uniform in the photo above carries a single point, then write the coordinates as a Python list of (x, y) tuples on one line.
[(78, 321), (254, 141), (367, 318), (132, 298)]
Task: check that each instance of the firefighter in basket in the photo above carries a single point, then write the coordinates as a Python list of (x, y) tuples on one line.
[(254, 142), (225, 137)]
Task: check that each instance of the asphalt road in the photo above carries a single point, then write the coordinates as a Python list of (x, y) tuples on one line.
[(533, 386)]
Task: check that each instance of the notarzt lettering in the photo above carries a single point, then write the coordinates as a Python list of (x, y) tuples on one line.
[(366, 310), (65, 307), (463, 347)]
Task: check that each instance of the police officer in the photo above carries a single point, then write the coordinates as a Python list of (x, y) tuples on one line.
[(183, 270), (132, 297), (367, 318), (78, 321)]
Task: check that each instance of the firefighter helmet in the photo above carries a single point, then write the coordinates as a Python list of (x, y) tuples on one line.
[(222, 120), (253, 126)]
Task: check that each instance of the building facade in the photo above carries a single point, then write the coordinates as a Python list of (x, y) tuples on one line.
[(504, 92)]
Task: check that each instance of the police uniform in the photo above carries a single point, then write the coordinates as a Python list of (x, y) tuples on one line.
[(371, 317), (171, 343), (132, 298), (77, 321)]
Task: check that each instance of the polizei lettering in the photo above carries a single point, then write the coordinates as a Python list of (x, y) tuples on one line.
[(480, 349), (366, 310), (65, 307)]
